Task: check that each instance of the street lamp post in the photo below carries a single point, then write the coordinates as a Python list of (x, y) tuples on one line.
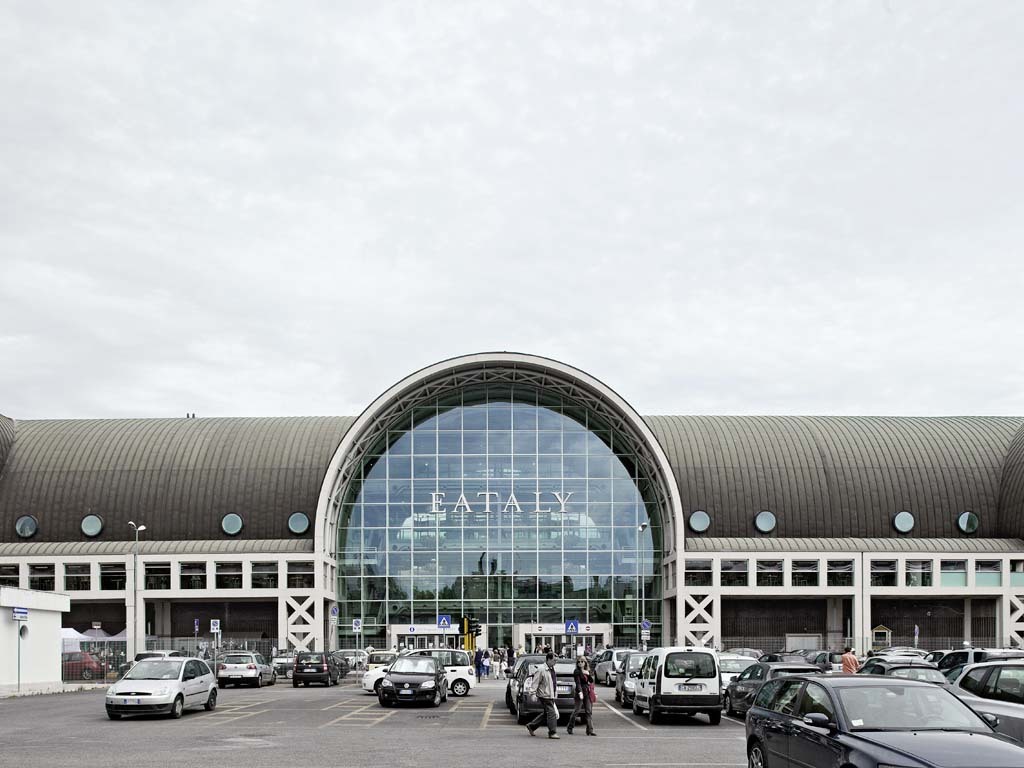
[(135, 586), (640, 583)]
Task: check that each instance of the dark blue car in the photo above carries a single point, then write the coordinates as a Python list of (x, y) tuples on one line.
[(869, 722)]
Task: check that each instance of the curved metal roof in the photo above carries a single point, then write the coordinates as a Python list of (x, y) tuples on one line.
[(178, 476), (837, 476), (1011, 492), (7, 428)]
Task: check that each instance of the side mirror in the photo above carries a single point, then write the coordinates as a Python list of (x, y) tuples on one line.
[(508, 670), (991, 719), (818, 720)]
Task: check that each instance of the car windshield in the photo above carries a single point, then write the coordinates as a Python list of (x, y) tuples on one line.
[(907, 708), (927, 674), (561, 668), (381, 658), (690, 664), (164, 669), (731, 666), (414, 665), (238, 658)]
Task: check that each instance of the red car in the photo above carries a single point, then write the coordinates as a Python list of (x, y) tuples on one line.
[(79, 665)]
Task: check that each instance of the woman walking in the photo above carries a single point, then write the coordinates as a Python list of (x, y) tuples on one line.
[(583, 696)]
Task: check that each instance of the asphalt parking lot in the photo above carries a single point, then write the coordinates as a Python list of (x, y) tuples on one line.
[(342, 727)]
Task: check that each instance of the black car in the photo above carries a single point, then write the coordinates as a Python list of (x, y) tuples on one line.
[(315, 667), (342, 661), (527, 705), (739, 694), (412, 679), (868, 721), (795, 658), (512, 673)]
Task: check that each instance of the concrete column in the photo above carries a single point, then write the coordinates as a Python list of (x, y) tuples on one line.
[(967, 618), (282, 622)]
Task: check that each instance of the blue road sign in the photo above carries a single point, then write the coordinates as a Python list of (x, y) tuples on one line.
[(444, 621), (334, 610), (572, 627), (645, 624), (19, 614), (197, 626), (357, 625)]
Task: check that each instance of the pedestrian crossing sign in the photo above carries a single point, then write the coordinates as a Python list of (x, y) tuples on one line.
[(572, 627), (444, 621)]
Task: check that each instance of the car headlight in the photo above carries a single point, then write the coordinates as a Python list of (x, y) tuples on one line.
[(629, 684), (162, 691), (112, 690), (428, 685), (385, 683)]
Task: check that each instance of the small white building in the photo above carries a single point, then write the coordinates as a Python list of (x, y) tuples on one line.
[(35, 656)]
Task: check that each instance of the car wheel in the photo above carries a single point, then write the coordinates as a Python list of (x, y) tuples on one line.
[(522, 717), (211, 701), (461, 688), (437, 698), (259, 681), (508, 700), (728, 705), (177, 707), (273, 679), (756, 757), (653, 715), (636, 707), (87, 674), (715, 717), (444, 695), (113, 715), (376, 688)]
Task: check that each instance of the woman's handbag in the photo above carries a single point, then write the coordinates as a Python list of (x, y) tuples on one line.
[(593, 693)]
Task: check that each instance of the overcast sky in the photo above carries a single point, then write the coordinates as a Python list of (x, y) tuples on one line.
[(245, 208)]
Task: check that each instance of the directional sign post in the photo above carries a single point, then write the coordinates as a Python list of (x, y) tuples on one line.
[(572, 627), (19, 614), (195, 638)]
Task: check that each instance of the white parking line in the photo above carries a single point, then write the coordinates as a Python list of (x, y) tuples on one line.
[(734, 720), (623, 716)]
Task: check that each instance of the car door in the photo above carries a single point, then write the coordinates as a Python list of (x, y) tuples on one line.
[(778, 726), (191, 677), (746, 689), (644, 682), (811, 747)]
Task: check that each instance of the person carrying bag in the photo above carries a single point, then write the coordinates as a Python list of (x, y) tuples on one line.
[(584, 696)]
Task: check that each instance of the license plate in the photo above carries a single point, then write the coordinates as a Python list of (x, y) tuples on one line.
[(564, 689), (234, 675), (132, 701), (684, 687), (405, 693)]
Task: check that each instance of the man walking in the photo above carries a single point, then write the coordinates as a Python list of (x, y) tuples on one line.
[(543, 684), (850, 663)]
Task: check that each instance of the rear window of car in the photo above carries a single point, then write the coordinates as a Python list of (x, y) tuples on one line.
[(460, 659), (927, 674), (381, 658), (788, 671), (238, 658), (314, 658), (690, 664)]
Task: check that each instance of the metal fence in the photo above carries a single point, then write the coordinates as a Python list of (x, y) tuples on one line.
[(92, 661)]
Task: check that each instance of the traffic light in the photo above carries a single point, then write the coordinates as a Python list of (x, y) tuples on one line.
[(474, 628)]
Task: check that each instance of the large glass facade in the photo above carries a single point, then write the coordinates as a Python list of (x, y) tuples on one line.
[(507, 505)]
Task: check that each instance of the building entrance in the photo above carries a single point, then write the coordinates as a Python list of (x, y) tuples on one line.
[(533, 637)]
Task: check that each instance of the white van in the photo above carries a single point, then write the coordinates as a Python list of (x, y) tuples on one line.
[(682, 681)]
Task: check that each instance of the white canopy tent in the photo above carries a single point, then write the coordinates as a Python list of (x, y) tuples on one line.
[(72, 639)]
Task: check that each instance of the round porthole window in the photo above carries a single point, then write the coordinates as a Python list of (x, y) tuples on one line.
[(26, 526), (231, 524), (700, 521), (298, 523), (968, 522), (903, 522), (765, 521), (92, 525)]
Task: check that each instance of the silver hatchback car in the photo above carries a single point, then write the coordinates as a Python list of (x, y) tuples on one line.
[(163, 686), (245, 668)]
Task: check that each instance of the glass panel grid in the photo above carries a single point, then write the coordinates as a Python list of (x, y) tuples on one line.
[(531, 497)]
